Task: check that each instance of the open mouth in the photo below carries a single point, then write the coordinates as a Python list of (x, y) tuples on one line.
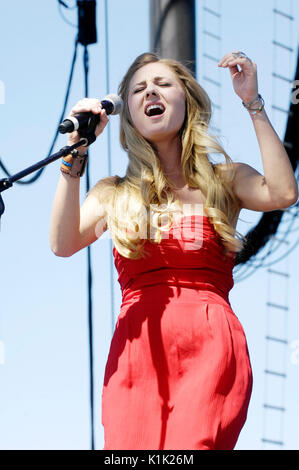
[(154, 109)]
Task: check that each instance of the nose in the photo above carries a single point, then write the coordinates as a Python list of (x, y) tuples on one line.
[(151, 91)]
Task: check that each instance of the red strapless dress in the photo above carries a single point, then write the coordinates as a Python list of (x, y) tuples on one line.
[(178, 374)]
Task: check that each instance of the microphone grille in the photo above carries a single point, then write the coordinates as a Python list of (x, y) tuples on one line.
[(116, 101)]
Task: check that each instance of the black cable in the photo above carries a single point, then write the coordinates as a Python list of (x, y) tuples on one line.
[(63, 4), (36, 177), (39, 173), (89, 270), (271, 250), (89, 273)]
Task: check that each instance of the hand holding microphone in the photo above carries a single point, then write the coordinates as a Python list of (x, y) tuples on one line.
[(89, 114)]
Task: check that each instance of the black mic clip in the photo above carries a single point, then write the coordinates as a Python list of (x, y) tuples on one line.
[(5, 183), (88, 130)]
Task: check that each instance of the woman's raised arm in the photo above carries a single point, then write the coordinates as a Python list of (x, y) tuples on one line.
[(277, 188), (72, 228)]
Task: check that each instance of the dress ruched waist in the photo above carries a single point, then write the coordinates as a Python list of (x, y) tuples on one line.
[(187, 278)]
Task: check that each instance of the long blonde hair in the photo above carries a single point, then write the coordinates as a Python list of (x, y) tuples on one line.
[(129, 199)]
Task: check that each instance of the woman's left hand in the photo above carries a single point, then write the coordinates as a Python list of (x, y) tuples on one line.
[(244, 79)]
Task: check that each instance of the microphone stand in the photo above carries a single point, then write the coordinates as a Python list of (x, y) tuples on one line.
[(7, 183)]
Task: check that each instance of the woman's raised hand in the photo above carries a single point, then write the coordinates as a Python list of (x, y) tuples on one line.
[(244, 80), (84, 106)]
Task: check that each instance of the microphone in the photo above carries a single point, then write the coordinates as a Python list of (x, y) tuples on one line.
[(111, 103)]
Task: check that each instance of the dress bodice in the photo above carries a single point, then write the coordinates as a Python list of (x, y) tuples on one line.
[(190, 255)]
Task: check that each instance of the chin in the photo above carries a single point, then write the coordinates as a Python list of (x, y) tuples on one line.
[(156, 137)]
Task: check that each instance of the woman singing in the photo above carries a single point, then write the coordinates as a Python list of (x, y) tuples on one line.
[(178, 374)]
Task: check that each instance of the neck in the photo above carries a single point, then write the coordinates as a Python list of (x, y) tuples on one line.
[(169, 153)]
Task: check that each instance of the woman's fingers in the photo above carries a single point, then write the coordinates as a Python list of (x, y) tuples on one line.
[(231, 60), (223, 60), (103, 122), (87, 105), (93, 105)]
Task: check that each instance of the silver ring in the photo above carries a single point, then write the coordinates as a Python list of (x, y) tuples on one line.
[(242, 55)]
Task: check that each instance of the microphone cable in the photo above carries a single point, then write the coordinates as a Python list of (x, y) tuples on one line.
[(88, 248), (39, 173)]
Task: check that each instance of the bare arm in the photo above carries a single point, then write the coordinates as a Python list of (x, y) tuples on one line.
[(65, 217), (72, 228), (277, 188), (279, 177)]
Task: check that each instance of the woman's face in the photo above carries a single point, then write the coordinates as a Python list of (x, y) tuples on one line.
[(156, 102)]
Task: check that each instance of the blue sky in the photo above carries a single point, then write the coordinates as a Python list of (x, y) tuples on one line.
[(44, 372)]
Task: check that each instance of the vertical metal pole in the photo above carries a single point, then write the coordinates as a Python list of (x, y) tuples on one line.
[(87, 34), (173, 30), (89, 275)]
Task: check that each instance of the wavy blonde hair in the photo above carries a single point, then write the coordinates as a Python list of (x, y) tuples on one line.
[(139, 200)]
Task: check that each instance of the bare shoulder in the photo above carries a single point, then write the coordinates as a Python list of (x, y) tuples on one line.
[(103, 190), (93, 215), (240, 169), (225, 168), (106, 183), (241, 173)]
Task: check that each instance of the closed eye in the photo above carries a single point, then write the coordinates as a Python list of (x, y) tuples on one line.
[(137, 90), (159, 84)]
